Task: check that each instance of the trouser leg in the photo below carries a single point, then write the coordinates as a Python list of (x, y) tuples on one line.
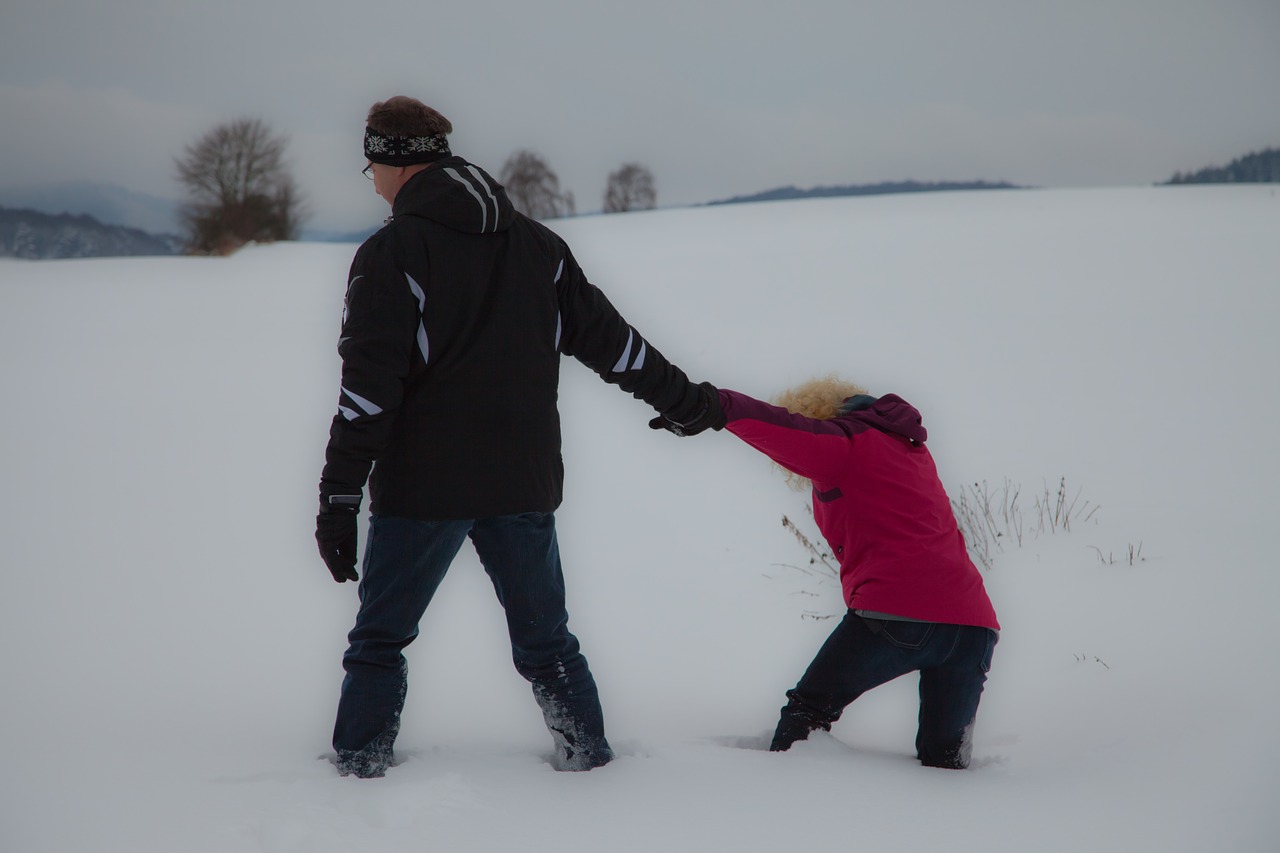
[(522, 558), (404, 562), (949, 696), (851, 661)]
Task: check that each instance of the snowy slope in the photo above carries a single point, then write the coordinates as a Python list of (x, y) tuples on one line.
[(173, 641)]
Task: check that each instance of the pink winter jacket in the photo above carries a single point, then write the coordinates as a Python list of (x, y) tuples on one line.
[(878, 501)]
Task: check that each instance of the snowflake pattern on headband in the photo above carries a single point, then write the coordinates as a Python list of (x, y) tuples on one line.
[(376, 144), (426, 145)]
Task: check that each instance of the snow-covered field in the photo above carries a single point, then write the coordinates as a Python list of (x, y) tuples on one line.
[(172, 641)]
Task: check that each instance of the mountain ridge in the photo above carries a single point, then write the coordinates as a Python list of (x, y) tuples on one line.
[(32, 235)]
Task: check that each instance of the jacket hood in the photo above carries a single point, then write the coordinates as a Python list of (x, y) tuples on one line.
[(458, 195), (890, 414)]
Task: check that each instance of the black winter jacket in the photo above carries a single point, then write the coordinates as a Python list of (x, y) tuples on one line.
[(457, 312)]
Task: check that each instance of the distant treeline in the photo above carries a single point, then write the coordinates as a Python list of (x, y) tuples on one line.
[(1261, 167), (885, 188)]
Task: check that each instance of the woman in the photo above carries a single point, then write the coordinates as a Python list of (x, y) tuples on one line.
[(916, 601)]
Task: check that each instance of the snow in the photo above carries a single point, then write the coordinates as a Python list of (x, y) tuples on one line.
[(173, 642)]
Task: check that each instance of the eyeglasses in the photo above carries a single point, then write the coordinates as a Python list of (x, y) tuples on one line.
[(367, 171)]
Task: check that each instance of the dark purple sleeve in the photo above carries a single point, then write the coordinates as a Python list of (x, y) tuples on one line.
[(810, 447)]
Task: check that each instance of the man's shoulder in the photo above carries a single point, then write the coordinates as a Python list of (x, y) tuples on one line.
[(532, 226), (391, 243), (528, 241), (375, 241)]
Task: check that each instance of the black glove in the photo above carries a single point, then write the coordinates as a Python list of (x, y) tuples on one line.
[(701, 412), (336, 530)]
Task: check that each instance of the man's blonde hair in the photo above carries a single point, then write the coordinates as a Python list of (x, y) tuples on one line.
[(818, 398)]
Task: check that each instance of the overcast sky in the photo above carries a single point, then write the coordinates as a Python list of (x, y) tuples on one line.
[(717, 98)]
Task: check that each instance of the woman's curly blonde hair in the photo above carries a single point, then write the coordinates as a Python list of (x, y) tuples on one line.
[(818, 398)]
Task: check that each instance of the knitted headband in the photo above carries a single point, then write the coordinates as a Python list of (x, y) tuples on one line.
[(403, 150)]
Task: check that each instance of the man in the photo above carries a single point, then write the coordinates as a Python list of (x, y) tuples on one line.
[(457, 313)]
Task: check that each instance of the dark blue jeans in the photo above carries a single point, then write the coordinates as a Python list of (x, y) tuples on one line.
[(953, 661), (404, 563)]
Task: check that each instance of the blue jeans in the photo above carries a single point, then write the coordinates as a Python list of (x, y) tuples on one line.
[(404, 563), (861, 653)]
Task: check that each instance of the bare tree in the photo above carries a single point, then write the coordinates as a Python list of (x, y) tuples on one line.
[(630, 188), (238, 188), (534, 189)]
